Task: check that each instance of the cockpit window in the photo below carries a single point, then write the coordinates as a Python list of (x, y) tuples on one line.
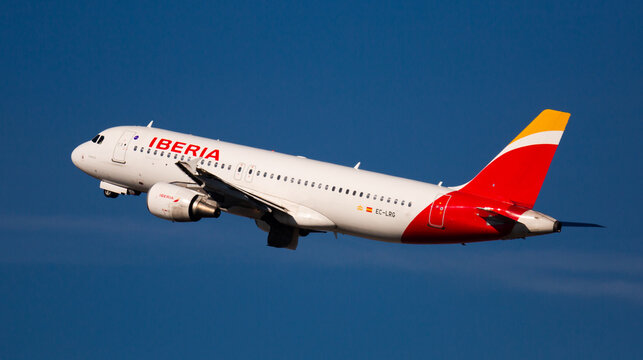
[(95, 138), (100, 139)]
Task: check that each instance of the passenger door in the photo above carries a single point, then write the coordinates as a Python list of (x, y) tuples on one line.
[(438, 211), (121, 147)]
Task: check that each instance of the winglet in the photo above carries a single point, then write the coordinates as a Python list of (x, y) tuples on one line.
[(356, 167), (150, 124)]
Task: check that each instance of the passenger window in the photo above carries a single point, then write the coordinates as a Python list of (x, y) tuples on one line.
[(272, 176), (382, 198), (135, 147), (395, 202), (333, 189), (229, 167), (209, 163), (347, 191), (292, 180), (320, 185), (182, 157), (340, 190), (361, 194), (326, 187), (354, 192), (168, 154), (202, 161), (239, 169), (388, 200), (368, 196), (299, 182), (402, 203), (250, 171), (155, 152), (312, 184), (258, 173), (216, 164), (409, 204), (285, 178), (141, 149), (176, 156), (278, 177), (265, 174), (306, 183), (162, 153), (149, 151)]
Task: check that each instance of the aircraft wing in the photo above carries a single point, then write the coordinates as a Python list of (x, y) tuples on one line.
[(237, 199), (228, 195)]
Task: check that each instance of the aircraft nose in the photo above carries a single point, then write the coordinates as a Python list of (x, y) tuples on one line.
[(77, 156)]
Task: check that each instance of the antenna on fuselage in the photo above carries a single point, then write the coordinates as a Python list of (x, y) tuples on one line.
[(150, 124), (356, 167)]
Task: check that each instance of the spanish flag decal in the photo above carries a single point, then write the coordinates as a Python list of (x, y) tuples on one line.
[(369, 209)]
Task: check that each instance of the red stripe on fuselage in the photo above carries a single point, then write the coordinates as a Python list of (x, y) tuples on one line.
[(462, 221)]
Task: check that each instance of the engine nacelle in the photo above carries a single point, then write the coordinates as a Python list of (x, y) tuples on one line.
[(176, 203)]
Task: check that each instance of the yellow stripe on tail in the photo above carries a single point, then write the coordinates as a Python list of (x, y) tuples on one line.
[(548, 120), (517, 173)]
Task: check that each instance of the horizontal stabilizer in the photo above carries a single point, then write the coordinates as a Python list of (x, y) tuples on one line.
[(489, 213), (579, 224)]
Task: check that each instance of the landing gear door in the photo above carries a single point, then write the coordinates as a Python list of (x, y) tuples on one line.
[(121, 147), (438, 211)]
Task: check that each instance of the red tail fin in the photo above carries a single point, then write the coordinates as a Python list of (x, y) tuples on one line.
[(517, 173)]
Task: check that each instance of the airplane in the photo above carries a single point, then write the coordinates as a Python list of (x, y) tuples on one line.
[(188, 178)]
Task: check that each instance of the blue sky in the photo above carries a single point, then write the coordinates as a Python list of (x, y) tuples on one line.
[(421, 90)]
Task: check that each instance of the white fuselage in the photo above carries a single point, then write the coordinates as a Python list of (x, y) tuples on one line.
[(370, 205)]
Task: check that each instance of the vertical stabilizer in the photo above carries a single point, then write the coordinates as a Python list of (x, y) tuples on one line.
[(517, 173)]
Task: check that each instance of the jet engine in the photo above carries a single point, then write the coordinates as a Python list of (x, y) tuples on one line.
[(176, 203)]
